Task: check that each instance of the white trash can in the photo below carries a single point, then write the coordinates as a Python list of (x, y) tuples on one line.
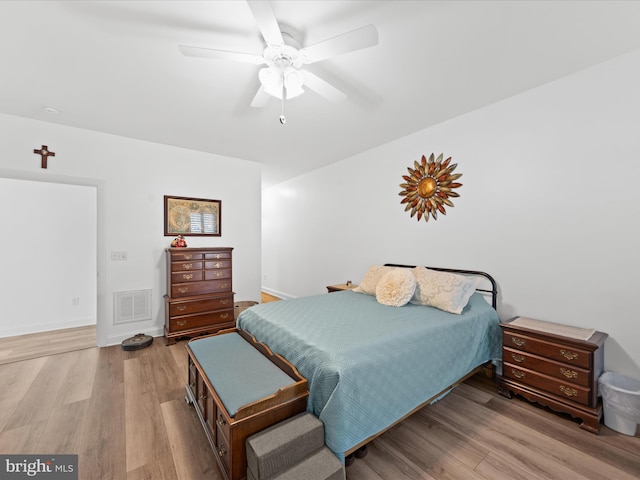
[(621, 400)]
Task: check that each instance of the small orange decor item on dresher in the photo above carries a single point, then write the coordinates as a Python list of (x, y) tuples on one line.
[(179, 242)]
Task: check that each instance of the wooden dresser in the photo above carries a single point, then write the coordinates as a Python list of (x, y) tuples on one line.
[(227, 432), (554, 370), (340, 287), (199, 295)]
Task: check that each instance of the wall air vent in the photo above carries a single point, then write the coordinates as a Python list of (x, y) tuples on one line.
[(133, 306)]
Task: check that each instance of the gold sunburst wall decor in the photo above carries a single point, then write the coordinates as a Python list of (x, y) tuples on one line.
[(427, 188)]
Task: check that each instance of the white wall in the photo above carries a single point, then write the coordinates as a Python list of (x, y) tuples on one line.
[(132, 178), (61, 269), (548, 206)]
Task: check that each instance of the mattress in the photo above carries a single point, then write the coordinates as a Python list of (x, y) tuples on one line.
[(368, 365)]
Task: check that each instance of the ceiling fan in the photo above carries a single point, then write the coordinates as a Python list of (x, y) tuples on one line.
[(283, 77)]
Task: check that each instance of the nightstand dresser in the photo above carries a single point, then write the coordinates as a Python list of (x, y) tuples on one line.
[(554, 365), (340, 287)]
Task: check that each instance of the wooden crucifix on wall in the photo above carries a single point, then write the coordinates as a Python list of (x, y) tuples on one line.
[(44, 153)]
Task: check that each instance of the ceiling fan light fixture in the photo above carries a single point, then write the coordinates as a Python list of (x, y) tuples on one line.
[(293, 81), (271, 80)]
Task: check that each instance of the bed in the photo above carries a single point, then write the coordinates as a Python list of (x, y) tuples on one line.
[(370, 365)]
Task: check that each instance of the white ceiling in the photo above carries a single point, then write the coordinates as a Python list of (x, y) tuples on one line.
[(114, 66)]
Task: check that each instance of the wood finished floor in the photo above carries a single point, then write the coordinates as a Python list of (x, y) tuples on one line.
[(124, 414), (24, 347)]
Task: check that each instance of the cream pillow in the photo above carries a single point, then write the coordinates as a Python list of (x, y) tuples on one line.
[(371, 278), (396, 287), (443, 290)]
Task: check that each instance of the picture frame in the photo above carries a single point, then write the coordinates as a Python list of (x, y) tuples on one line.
[(192, 217)]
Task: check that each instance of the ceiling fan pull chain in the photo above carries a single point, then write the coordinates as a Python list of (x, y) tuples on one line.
[(283, 119)]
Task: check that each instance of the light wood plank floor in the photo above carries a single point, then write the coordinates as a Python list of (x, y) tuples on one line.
[(24, 347), (266, 297), (124, 414)]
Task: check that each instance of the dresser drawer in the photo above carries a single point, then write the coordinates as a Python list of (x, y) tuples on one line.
[(563, 353), (197, 306), (568, 373), (189, 322), (181, 277), (186, 256), (217, 274), (186, 266), (217, 264), (200, 288), (217, 255), (566, 390)]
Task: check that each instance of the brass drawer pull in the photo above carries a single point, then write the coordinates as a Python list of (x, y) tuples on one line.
[(217, 255), (569, 392), (221, 421), (217, 274), (222, 451), (518, 373), (518, 358), (224, 302), (224, 315), (217, 265), (520, 342), (181, 323), (203, 395), (187, 266), (188, 257), (569, 373), (183, 289), (181, 308), (569, 355), (223, 286), (187, 276)]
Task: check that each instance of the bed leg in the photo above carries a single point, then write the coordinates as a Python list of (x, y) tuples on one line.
[(359, 453)]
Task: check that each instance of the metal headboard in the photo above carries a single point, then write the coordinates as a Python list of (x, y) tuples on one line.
[(494, 286)]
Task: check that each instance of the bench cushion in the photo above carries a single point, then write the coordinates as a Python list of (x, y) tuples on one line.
[(246, 376)]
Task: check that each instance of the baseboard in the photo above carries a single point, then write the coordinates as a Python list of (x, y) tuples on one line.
[(276, 293), (117, 339), (44, 327)]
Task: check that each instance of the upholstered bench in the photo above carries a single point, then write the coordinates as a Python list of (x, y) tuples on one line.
[(239, 387)]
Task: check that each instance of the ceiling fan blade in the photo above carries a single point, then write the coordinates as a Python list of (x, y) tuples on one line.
[(267, 23), (220, 54), (347, 42), (322, 87), (261, 98)]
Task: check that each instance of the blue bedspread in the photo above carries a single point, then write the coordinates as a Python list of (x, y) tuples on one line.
[(367, 364)]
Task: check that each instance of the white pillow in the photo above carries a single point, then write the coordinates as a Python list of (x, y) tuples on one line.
[(443, 290), (371, 278), (396, 287)]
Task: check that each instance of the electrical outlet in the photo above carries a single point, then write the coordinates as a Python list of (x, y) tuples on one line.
[(119, 256), (75, 301)]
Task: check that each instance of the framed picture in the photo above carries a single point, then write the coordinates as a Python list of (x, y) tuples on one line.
[(192, 216)]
